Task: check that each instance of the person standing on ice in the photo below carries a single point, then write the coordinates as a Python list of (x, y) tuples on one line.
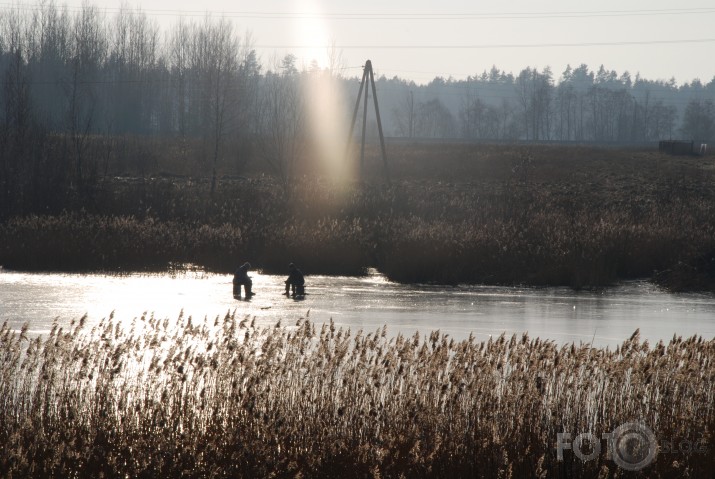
[(240, 277), (295, 281)]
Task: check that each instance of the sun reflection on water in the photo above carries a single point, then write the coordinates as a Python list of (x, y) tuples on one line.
[(365, 303)]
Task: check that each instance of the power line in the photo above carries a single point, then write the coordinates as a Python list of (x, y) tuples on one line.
[(360, 16), (495, 45)]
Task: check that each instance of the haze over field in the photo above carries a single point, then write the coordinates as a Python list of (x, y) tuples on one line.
[(420, 39), (96, 101)]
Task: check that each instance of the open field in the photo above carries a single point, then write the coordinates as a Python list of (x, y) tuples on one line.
[(499, 214), (223, 398)]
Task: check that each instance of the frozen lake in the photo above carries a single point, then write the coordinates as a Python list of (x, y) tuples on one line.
[(606, 317)]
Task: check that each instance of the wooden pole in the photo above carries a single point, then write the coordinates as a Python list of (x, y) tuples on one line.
[(367, 73), (379, 123), (355, 112), (364, 122)]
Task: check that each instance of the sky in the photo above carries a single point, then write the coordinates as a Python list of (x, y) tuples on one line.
[(423, 39)]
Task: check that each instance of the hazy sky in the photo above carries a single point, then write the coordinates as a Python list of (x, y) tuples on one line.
[(421, 39)]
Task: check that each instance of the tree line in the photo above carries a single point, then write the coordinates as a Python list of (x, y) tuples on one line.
[(76, 84), (581, 105)]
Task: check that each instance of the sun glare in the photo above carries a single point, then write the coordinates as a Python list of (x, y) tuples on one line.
[(328, 126), (311, 32)]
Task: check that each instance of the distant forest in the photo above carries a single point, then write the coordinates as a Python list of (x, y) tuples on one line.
[(78, 83)]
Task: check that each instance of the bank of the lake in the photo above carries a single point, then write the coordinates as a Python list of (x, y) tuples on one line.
[(480, 214)]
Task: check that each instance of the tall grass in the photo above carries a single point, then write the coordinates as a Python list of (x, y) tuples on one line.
[(506, 215), (227, 398)]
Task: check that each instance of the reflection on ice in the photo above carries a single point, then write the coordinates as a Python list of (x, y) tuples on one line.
[(606, 317)]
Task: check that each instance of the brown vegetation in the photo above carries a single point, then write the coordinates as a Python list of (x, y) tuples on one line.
[(226, 398), (452, 213)]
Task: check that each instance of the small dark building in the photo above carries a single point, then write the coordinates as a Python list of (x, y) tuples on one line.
[(678, 147)]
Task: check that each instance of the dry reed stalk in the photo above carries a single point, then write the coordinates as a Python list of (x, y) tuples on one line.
[(226, 397)]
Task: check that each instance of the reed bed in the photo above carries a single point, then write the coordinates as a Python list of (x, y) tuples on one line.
[(226, 397), (493, 214), (410, 232)]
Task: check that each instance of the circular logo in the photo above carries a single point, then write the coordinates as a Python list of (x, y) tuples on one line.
[(634, 446)]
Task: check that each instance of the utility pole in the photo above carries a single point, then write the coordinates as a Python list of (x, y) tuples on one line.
[(368, 75), (412, 110)]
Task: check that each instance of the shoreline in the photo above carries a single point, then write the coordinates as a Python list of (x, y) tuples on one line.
[(659, 279), (199, 270), (477, 214)]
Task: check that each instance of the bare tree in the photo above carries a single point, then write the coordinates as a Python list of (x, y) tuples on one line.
[(573, 88), (282, 113), (88, 52), (48, 55), (15, 129), (404, 114), (434, 120), (336, 62), (474, 117), (178, 60), (663, 125), (133, 56), (699, 120), (221, 75), (213, 62), (245, 123), (535, 93)]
